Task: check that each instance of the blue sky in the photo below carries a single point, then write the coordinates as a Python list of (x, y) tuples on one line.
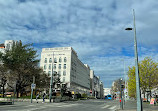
[(94, 28)]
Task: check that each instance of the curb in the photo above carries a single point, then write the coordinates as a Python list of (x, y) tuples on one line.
[(6, 103)]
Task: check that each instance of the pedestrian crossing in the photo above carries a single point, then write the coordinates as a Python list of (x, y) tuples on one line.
[(113, 108), (36, 107), (59, 106)]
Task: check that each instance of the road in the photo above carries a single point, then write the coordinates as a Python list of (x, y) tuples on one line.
[(81, 105)]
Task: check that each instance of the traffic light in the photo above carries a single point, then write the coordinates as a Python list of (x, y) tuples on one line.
[(122, 86)]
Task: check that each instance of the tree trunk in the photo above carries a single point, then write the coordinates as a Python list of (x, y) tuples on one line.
[(3, 91), (17, 93)]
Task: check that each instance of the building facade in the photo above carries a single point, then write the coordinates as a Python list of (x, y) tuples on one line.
[(101, 90), (96, 86), (7, 45), (107, 91), (65, 62)]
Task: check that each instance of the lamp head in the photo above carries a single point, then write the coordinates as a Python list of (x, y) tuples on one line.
[(128, 28)]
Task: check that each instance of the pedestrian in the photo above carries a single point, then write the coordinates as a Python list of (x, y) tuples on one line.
[(37, 96), (44, 97)]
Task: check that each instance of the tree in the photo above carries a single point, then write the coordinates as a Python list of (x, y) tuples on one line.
[(131, 82), (148, 72), (117, 86), (22, 63), (3, 78), (59, 86), (43, 82)]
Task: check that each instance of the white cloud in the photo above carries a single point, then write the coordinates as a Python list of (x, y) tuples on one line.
[(95, 29)]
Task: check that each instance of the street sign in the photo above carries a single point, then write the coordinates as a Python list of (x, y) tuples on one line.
[(33, 86)]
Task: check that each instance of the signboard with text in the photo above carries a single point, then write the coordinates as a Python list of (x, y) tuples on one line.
[(33, 86), (152, 101)]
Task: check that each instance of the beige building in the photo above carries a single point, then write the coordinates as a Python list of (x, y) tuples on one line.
[(64, 61), (7, 45), (96, 86)]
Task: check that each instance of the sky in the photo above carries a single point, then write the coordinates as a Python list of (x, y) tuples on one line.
[(94, 28)]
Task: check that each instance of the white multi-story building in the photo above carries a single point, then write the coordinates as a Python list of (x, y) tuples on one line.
[(107, 91), (65, 62), (7, 45)]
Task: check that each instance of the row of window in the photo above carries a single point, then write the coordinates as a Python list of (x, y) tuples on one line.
[(49, 73), (55, 66), (59, 72), (55, 60)]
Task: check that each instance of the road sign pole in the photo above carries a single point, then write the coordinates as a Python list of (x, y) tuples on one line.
[(32, 88), (31, 94)]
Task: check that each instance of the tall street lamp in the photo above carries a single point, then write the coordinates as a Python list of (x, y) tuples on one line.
[(139, 102)]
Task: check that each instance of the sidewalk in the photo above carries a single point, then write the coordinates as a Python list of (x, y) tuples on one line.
[(131, 105)]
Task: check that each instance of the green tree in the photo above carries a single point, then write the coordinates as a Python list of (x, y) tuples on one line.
[(148, 72), (117, 86), (3, 78), (22, 64), (131, 82)]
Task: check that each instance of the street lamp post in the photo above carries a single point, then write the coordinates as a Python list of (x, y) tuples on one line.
[(139, 102), (51, 82)]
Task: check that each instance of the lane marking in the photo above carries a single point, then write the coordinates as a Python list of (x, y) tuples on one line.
[(112, 107), (105, 106)]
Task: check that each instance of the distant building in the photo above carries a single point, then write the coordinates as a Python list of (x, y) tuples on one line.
[(2, 48), (96, 86), (101, 90), (7, 45), (107, 91), (65, 62)]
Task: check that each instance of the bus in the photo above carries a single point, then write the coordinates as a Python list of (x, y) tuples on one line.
[(109, 97)]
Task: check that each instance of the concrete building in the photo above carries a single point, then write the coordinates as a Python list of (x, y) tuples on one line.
[(64, 61), (107, 91), (96, 86), (7, 45), (101, 90), (96, 81), (92, 83)]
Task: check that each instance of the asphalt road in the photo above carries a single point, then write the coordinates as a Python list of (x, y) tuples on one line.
[(81, 105)]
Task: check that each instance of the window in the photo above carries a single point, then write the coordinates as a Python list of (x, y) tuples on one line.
[(64, 73), (60, 59), (49, 66), (45, 66), (49, 73), (8, 46), (59, 72), (55, 60), (59, 66), (45, 61), (64, 66), (50, 60), (63, 79), (65, 60), (54, 72), (54, 66)]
